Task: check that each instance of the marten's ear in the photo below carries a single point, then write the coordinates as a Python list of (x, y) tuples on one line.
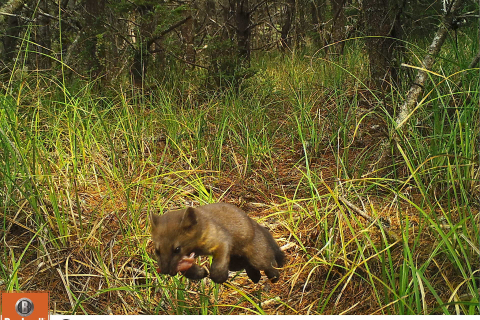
[(189, 218), (154, 218)]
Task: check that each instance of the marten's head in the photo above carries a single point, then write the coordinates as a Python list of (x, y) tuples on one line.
[(175, 236)]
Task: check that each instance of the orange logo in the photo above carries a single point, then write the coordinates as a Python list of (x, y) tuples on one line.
[(25, 305)]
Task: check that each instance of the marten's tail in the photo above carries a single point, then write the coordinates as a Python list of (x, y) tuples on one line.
[(279, 256)]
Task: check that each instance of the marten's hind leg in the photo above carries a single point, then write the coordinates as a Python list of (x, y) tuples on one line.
[(272, 274), (266, 262), (253, 274), (238, 263)]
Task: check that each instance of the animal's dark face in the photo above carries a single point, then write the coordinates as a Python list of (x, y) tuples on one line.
[(174, 236)]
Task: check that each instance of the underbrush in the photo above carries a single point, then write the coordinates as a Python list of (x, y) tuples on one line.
[(296, 148)]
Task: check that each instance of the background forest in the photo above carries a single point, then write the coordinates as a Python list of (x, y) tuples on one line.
[(348, 128)]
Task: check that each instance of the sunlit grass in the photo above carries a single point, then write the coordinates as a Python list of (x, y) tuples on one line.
[(80, 169)]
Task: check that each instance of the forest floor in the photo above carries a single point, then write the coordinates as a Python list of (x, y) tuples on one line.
[(104, 265), (298, 150)]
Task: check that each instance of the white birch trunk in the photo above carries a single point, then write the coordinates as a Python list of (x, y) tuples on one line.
[(416, 89)]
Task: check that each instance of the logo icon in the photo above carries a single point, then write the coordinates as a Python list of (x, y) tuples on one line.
[(24, 307)]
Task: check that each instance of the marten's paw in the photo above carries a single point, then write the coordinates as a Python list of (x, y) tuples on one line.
[(219, 275), (272, 274)]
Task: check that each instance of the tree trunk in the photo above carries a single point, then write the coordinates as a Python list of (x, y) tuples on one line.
[(338, 26), (187, 31), (300, 19), (379, 19), (427, 63), (43, 39), (10, 38), (242, 18), (94, 10), (285, 40), (417, 88), (317, 8), (10, 28)]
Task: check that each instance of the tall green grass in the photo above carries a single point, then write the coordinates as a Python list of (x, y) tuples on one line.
[(80, 168)]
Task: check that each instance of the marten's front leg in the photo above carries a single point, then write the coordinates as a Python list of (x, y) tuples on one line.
[(221, 260)]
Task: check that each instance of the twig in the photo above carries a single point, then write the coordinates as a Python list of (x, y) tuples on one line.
[(62, 277), (10, 8), (472, 65), (370, 219), (165, 32), (187, 62), (16, 16)]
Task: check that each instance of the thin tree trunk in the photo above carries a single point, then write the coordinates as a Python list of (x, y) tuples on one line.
[(317, 8), (94, 9), (43, 39), (188, 36), (379, 21), (287, 25), (316, 18), (10, 28), (338, 26), (242, 17), (300, 23), (417, 87)]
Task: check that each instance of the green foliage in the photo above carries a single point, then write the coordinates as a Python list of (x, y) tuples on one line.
[(80, 167)]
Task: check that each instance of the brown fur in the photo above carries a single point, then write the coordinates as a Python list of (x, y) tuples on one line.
[(221, 230)]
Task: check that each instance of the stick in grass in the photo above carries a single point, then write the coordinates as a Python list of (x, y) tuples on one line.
[(369, 218)]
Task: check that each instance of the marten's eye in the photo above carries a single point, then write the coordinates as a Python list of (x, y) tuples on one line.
[(177, 250)]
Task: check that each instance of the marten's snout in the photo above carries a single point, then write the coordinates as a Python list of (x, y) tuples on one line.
[(163, 268)]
